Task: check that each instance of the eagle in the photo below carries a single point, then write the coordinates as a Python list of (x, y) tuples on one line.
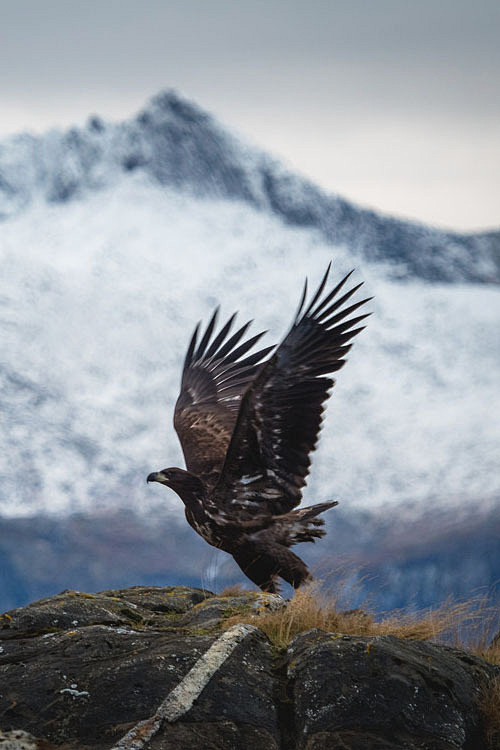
[(247, 424)]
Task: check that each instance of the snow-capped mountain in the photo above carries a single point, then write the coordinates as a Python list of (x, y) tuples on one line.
[(175, 144), (117, 239)]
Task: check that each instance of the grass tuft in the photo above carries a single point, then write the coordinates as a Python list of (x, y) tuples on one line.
[(489, 705), (312, 608)]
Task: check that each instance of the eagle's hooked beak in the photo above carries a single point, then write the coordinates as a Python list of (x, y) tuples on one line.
[(157, 476)]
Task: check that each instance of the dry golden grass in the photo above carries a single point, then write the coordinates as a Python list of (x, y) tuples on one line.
[(489, 701), (491, 653), (310, 608), (489, 705)]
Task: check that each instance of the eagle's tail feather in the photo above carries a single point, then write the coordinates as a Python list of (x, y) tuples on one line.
[(302, 524), (267, 555)]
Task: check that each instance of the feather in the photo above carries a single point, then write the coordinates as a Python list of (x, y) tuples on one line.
[(281, 412)]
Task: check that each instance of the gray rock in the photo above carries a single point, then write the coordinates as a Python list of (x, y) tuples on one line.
[(356, 692), (158, 668), (84, 669), (214, 611), (19, 740)]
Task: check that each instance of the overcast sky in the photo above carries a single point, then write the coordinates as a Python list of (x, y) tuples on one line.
[(392, 103)]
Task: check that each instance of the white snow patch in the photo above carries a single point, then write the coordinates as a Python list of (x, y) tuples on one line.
[(74, 692), (98, 298)]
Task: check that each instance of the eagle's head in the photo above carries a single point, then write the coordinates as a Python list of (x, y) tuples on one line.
[(187, 485)]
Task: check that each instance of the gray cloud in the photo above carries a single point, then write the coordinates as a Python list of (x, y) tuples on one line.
[(315, 81)]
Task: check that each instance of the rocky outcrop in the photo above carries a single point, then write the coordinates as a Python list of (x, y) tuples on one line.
[(384, 692), (163, 668)]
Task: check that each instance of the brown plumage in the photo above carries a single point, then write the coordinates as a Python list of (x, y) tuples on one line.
[(247, 425)]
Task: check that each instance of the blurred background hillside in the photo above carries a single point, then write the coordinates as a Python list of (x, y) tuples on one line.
[(117, 234)]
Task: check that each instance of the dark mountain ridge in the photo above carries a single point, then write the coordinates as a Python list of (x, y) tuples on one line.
[(392, 562), (176, 144)]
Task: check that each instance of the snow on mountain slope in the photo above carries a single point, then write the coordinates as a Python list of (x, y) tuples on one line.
[(99, 296), (176, 144)]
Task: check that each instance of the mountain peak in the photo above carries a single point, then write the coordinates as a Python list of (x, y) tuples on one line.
[(170, 104), (176, 144)]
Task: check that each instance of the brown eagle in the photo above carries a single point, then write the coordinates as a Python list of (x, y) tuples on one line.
[(247, 425)]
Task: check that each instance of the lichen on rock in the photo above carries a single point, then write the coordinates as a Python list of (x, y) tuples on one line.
[(159, 666)]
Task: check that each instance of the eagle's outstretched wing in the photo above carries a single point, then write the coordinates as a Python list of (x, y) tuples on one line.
[(214, 379), (281, 412)]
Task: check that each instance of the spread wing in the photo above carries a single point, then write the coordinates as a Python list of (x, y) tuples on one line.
[(281, 412), (215, 376)]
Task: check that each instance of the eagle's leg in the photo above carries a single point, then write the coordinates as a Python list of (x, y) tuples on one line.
[(292, 569), (259, 567), (263, 567)]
